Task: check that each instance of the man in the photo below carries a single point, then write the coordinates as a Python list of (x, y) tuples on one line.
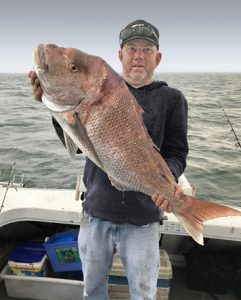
[(128, 222)]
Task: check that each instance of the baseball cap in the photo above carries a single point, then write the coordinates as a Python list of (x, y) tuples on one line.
[(139, 29)]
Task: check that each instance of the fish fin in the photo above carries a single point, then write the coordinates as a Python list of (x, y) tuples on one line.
[(195, 229), (70, 145), (77, 132), (118, 185), (199, 211)]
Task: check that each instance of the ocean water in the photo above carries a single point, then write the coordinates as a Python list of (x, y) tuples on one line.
[(28, 139)]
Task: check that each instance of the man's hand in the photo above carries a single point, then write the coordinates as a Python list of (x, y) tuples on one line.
[(163, 203), (37, 90)]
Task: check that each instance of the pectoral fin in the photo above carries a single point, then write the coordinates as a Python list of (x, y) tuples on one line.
[(76, 137), (70, 145)]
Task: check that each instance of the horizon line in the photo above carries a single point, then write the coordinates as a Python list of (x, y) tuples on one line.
[(157, 72)]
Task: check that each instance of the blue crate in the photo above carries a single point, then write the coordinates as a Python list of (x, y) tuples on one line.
[(27, 253), (62, 251), (28, 259)]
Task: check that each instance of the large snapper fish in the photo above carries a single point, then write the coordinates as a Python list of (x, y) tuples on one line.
[(100, 116)]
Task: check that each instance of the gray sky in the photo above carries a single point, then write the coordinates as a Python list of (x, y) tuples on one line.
[(195, 36)]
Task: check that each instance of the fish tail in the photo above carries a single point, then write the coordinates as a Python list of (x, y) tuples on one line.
[(199, 211)]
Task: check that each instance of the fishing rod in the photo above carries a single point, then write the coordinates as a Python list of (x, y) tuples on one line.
[(238, 143), (8, 185)]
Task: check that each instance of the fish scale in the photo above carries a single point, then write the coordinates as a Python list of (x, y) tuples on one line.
[(129, 138)]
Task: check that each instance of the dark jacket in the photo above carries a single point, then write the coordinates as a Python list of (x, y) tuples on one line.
[(165, 117)]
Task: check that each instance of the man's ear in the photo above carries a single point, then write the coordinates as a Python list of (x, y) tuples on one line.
[(120, 55), (158, 58)]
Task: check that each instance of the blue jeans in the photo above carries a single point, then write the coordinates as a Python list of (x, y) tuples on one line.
[(138, 248)]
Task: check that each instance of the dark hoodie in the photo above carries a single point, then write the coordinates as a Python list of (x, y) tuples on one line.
[(165, 117)]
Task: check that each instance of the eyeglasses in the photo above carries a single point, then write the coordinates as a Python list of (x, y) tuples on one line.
[(133, 50), (144, 31)]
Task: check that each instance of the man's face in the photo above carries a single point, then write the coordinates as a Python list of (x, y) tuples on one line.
[(139, 59)]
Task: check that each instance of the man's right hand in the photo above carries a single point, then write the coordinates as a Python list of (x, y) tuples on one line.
[(37, 90)]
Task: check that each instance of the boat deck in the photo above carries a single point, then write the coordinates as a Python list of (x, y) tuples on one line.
[(178, 290), (64, 209)]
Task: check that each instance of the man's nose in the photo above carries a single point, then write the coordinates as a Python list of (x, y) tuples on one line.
[(139, 52)]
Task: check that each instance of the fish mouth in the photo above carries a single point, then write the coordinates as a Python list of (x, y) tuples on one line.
[(39, 59)]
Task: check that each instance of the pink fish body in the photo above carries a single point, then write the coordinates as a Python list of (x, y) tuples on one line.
[(100, 116)]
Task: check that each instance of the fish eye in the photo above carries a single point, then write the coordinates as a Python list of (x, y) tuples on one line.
[(73, 68)]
